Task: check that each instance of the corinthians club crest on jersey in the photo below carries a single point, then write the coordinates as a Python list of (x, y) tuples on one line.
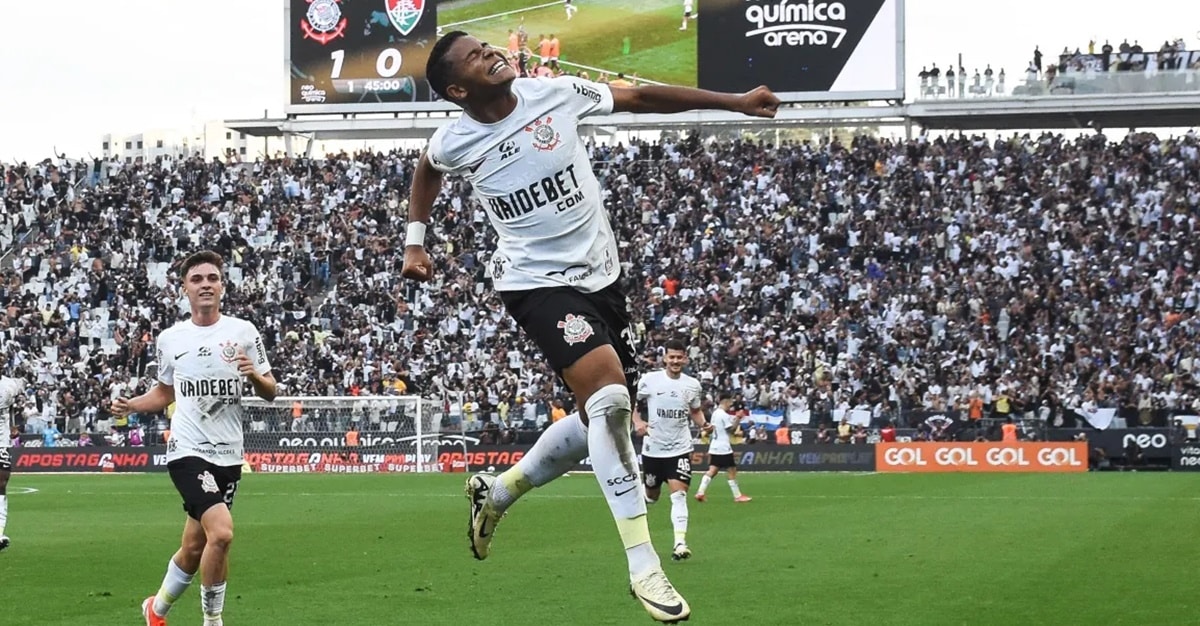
[(323, 22), (229, 351), (545, 138), (404, 14), (575, 329)]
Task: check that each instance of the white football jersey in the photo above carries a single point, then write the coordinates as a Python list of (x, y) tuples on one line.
[(199, 361), (719, 443), (669, 404), (10, 389), (533, 176)]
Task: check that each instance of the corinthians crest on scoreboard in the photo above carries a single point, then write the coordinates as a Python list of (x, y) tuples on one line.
[(405, 14)]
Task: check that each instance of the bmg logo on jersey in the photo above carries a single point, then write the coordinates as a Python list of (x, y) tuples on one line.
[(587, 92)]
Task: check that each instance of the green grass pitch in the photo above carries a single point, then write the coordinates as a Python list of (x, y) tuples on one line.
[(811, 548), (594, 37)]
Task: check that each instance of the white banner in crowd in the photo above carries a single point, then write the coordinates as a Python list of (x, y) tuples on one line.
[(1098, 418)]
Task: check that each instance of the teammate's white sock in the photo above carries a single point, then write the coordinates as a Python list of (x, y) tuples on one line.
[(615, 463), (684, 26), (173, 585), (561, 447), (733, 486), (212, 602), (3, 511), (571, 9), (679, 515), (704, 485)]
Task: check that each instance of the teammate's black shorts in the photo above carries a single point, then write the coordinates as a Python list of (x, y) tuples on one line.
[(566, 324), (204, 485), (656, 471), (5, 459), (721, 461)]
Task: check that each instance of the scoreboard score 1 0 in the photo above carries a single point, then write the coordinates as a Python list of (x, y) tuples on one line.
[(358, 55)]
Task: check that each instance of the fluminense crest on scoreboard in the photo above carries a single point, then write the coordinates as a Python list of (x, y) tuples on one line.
[(405, 14), (323, 22)]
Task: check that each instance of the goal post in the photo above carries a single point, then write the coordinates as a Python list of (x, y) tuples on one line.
[(350, 434)]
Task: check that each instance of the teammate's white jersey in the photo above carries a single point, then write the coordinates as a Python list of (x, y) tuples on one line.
[(721, 421), (10, 388), (669, 404), (532, 175), (199, 361)]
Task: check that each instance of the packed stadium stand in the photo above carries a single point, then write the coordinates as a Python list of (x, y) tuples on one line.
[(1021, 275)]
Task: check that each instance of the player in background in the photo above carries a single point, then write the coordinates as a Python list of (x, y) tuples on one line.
[(571, 9), (555, 268), (203, 363), (10, 389), (720, 450), (687, 14), (672, 401)]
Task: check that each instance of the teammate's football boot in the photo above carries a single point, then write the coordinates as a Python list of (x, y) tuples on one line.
[(484, 516), (3, 542), (701, 497), (659, 598), (152, 618), (743, 498), (681, 552)]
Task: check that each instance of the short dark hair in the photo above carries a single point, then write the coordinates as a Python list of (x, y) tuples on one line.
[(200, 258), (675, 344), (437, 68), (723, 396)]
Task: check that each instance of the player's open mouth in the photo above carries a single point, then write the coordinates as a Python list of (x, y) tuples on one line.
[(497, 67)]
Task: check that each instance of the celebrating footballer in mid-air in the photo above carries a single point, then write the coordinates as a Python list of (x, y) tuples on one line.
[(556, 268), (202, 365)]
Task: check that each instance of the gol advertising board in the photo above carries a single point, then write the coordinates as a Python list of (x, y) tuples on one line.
[(805, 50), (981, 457)]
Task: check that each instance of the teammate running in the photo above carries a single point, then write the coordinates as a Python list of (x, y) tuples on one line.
[(203, 363), (672, 401)]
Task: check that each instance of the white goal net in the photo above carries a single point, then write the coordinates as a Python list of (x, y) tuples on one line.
[(349, 434)]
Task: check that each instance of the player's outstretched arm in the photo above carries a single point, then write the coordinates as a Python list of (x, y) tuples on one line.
[(427, 182), (159, 397), (759, 102)]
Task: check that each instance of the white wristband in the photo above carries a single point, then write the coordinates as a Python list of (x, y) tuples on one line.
[(416, 234)]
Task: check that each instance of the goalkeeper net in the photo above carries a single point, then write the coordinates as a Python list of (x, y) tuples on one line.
[(350, 434)]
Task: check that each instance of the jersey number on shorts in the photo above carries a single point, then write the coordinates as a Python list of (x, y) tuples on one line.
[(685, 466), (229, 493)]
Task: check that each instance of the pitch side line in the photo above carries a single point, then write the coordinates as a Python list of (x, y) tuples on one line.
[(558, 496)]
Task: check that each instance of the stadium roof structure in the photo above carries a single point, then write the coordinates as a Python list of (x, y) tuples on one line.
[(1165, 110)]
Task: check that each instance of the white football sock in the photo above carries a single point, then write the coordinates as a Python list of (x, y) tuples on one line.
[(679, 515), (561, 447), (173, 585), (615, 464), (704, 484), (212, 602), (733, 486), (3, 511)]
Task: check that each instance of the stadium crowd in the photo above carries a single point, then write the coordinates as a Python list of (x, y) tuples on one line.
[(1020, 276)]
